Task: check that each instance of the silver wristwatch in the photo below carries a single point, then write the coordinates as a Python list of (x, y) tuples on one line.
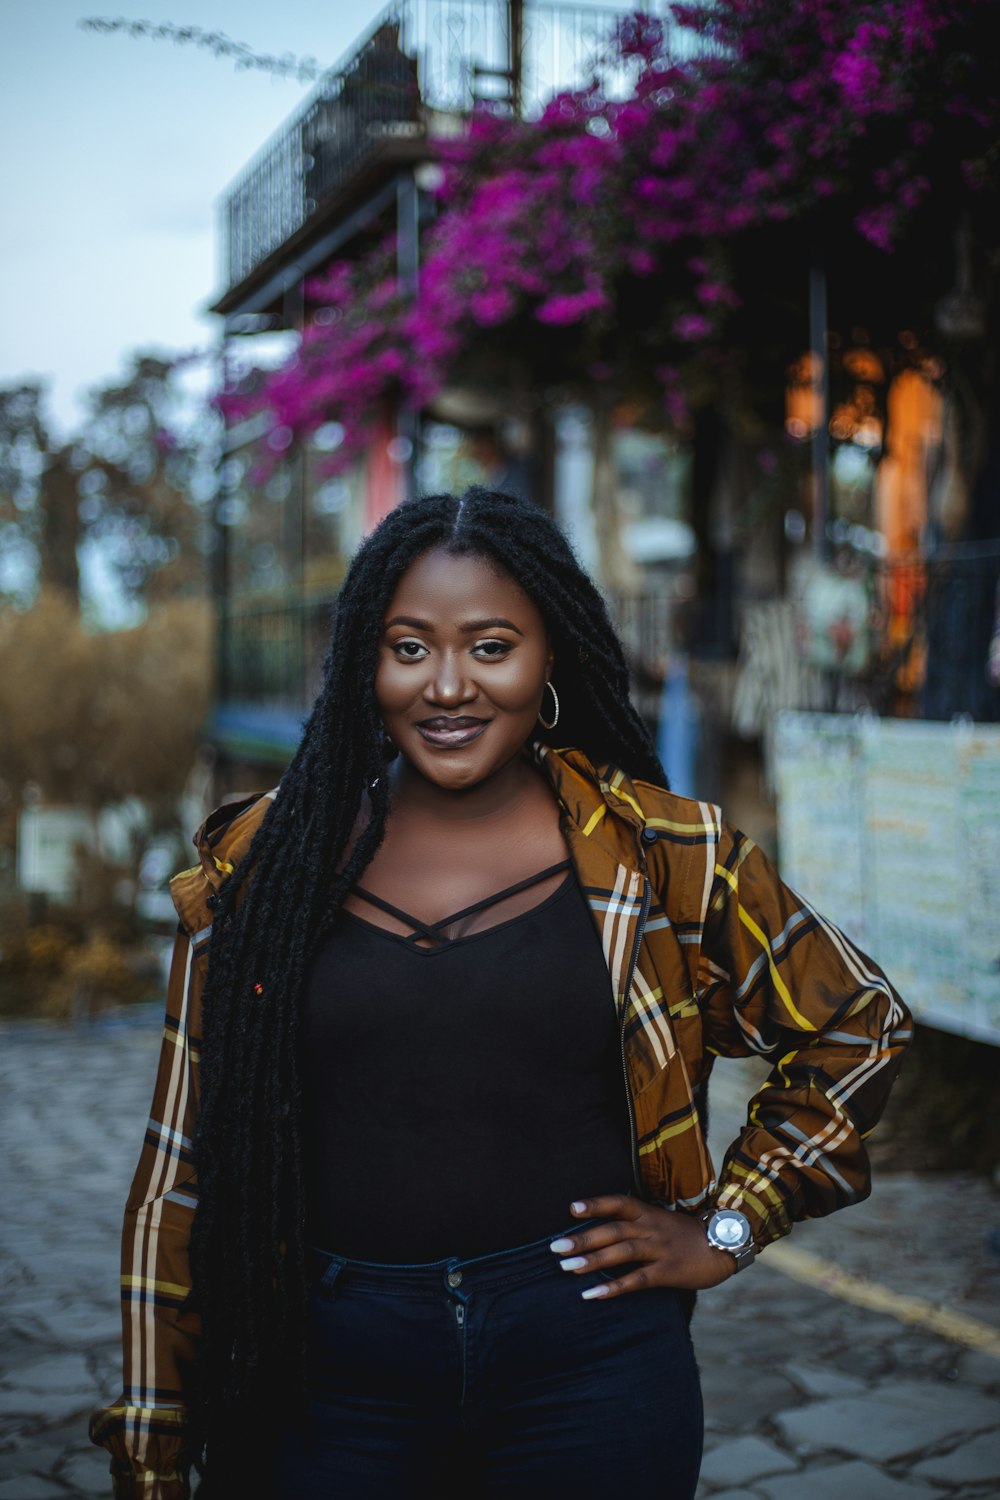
[(728, 1229)]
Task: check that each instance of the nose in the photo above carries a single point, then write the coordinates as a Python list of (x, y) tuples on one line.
[(449, 684)]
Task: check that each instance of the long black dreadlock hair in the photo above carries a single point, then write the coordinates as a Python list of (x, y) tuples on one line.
[(247, 1243)]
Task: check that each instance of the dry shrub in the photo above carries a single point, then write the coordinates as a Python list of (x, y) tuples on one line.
[(56, 969), (93, 718), (47, 949), (32, 958), (93, 977), (90, 720)]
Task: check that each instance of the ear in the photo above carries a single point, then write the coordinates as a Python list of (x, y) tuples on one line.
[(550, 657)]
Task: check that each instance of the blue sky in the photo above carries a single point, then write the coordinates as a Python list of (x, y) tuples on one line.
[(112, 154)]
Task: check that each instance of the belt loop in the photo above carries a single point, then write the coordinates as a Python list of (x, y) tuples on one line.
[(332, 1269)]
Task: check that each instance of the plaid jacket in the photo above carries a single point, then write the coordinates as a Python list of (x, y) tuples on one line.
[(709, 955)]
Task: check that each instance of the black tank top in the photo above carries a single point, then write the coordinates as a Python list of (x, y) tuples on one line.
[(459, 1096)]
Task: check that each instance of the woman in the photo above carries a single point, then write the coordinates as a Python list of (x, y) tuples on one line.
[(462, 994)]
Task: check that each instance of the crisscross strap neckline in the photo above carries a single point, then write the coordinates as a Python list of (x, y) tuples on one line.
[(432, 930)]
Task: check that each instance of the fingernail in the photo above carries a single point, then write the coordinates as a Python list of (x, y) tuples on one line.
[(575, 1263), (594, 1291), (561, 1246), (578, 1208)]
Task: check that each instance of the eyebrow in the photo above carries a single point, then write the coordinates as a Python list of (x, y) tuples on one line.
[(469, 627)]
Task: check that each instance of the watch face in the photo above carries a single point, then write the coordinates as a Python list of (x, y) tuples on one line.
[(729, 1230)]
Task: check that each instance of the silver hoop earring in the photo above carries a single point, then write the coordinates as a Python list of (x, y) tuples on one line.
[(555, 717)]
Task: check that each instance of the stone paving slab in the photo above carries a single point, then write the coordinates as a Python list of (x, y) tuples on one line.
[(31, 1487), (894, 1422), (768, 1328), (859, 1480), (974, 1462), (814, 1380), (794, 1379), (73, 1105), (38, 1409), (58, 1373), (724, 1383), (744, 1459), (87, 1471)]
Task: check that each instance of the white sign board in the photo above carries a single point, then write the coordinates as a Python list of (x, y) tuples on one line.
[(46, 848), (891, 827)]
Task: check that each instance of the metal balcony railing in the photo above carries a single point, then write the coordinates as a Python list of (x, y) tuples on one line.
[(418, 56)]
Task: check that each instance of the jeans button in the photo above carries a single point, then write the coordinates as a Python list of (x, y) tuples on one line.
[(454, 1278)]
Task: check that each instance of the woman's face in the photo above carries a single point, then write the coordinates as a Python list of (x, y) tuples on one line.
[(463, 663)]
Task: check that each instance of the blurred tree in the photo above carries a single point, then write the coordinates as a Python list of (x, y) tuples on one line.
[(108, 528), (34, 547), (146, 478), (305, 69), (117, 516)]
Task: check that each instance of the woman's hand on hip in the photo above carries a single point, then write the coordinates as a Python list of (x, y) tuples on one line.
[(653, 1246)]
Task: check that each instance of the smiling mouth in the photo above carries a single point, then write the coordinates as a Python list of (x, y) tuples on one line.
[(448, 733)]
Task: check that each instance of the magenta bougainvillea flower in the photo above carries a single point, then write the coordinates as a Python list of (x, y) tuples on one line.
[(610, 232)]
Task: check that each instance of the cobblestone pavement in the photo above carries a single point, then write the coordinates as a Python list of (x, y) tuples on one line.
[(807, 1394)]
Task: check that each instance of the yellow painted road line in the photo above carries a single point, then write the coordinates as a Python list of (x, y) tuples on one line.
[(828, 1277)]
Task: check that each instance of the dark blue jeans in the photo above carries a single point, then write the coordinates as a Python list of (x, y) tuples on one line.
[(492, 1377)]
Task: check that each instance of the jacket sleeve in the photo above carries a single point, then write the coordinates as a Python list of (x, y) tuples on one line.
[(786, 983), (144, 1430)]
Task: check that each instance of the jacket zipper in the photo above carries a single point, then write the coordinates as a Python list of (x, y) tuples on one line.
[(633, 959)]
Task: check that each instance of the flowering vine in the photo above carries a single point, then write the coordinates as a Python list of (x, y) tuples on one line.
[(618, 241)]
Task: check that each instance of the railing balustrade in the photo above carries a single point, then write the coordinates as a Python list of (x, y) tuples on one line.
[(418, 56)]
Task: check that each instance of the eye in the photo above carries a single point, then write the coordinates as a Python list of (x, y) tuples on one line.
[(409, 650), (492, 649)]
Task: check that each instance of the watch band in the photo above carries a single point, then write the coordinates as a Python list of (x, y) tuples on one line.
[(745, 1256)]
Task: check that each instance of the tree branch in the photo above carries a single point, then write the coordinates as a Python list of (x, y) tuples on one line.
[(305, 69)]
